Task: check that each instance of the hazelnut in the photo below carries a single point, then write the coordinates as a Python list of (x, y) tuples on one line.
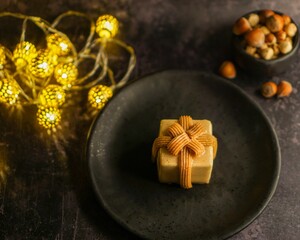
[(267, 53), (275, 23), (265, 30), (241, 26), (227, 70), (264, 14), (250, 50), (264, 46), (270, 39), (284, 89), (286, 19), (269, 89), (256, 55), (255, 38), (281, 35), (285, 46), (276, 49), (253, 19), (291, 29)]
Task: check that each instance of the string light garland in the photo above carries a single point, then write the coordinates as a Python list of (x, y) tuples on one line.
[(47, 76)]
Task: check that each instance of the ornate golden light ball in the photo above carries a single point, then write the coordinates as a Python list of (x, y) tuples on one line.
[(23, 53), (52, 96), (48, 117), (99, 95), (107, 26), (66, 74), (2, 57), (9, 91), (42, 66), (58, 44)]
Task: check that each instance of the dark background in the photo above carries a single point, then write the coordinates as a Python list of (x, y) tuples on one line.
[(47, 194)]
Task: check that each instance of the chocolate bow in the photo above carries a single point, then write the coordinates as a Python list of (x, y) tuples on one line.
[(189, 140)]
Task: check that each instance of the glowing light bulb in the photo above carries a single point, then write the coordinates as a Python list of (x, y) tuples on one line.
[(48, 117), (58, 44), (52, 96), (9, 91), (99, 95), (107, 26), (42, 66), (66, 74), (23, 53)]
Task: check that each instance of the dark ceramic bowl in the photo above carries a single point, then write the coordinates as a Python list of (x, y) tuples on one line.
[(261, 67)]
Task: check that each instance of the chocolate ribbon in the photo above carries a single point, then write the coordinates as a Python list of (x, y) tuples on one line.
[(188, 140)]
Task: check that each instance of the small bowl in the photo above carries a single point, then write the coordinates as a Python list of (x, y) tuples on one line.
[(261, 67)]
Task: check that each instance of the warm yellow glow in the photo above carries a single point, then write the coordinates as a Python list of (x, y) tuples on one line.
[(52, 96), (9, 91), (99, 95), (4, 168), (107, 26), (42, 66), (23, 53), (66, 74), (58, 44), (2, 57), (48, 117), (63, 46)]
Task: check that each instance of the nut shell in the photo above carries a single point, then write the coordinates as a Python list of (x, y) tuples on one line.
[(284, 89), (265, 30), (253, 19), (281, 35), (269, 89), (286, 19), (255, 38), (227, 70), (291, 29), (276, 49), (275, 23), (267, 53), (270, 39), (264, 14), (241, 26), (285, 46), (250, 50)]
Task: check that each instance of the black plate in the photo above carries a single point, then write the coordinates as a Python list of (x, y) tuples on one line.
[(245, 172)]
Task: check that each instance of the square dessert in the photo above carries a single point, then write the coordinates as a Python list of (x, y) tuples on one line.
[(198, 165)]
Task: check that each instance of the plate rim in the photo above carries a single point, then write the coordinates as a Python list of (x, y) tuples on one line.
[(147, 77)]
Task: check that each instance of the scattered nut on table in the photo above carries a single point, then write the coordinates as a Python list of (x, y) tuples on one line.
[(266, 34), (269, 89), (284, 89), (227, 70)]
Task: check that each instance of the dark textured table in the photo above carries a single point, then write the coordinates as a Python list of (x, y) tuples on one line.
[(48, 195)]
